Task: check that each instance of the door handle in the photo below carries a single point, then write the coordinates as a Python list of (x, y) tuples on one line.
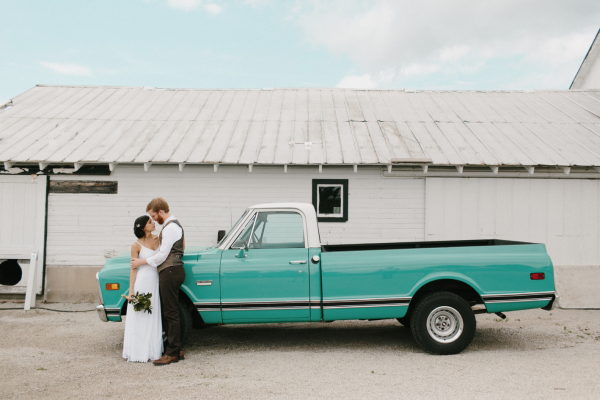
[(298, 262)]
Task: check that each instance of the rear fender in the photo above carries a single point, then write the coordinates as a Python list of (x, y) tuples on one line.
[(436, 276), (447, 281)]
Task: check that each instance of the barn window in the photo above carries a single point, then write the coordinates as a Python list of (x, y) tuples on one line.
[(330, 199)]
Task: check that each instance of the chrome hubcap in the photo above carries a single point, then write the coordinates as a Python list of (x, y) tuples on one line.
[(444, 324)]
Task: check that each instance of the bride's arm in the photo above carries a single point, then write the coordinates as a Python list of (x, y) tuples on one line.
[(135, 252)]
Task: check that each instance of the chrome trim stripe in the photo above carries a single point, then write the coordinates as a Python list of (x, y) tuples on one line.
[(265, 305), (266, 308), (368, 300), (367, 306), (112, 311), (509, 295), (208, 306), (366, 303), (312, 304), (520, 300), (265, 302)]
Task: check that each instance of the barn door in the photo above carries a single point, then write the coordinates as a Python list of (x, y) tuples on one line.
[(22, 224)]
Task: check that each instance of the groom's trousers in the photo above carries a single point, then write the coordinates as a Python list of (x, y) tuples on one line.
[(169, 281)]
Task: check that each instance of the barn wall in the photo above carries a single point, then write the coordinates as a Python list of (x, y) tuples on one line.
[(22, 219), (86, 229), (562, 213)]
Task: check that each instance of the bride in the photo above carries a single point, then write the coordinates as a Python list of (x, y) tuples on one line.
[(143, 331)]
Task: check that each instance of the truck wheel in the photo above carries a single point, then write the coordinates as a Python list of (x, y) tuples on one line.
[(443, 323), (185, 321)]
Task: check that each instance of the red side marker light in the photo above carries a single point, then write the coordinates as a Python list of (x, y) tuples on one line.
[(537, 276)]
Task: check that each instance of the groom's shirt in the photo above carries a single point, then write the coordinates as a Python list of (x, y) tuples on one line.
[(170, 234)]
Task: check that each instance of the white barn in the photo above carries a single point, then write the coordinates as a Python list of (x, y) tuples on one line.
[(80, 163), (588, 76)]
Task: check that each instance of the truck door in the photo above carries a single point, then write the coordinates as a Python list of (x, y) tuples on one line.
[(269, 281)]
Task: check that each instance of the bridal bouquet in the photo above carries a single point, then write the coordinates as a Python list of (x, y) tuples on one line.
[(141, 302)]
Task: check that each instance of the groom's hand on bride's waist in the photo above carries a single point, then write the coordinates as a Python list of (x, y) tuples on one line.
[(137, 262)]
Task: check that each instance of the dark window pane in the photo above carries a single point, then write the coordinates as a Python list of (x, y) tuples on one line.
[(330, 199)]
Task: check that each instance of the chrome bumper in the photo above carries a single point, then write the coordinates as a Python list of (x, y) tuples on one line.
[(101, 313), (99, 288)]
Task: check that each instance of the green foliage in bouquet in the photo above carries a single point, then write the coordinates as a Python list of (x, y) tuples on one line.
[(141, 302)]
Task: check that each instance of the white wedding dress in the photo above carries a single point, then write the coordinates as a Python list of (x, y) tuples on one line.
[(143, 331)]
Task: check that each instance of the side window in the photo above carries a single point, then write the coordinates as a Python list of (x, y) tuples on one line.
[(278, 230), (330, 199), (244, 236)]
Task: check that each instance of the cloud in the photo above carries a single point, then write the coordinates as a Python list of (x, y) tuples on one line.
[(367, 81), (257, 3), (364, 81), (437, 37), (185, 5), (68, 69), (188, 5), (213, 8)]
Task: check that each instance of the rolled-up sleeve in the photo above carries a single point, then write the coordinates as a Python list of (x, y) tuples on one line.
[(170, 235)]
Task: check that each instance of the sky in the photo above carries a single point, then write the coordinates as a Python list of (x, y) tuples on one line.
[(384, 44)]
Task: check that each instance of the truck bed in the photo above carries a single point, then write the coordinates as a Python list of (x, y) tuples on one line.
[(418, 245)]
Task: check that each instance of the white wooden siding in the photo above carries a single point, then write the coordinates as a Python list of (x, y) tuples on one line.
[(22, 218), (563, 214), (85, 229)]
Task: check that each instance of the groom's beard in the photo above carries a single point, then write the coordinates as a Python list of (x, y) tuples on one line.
[(160, 220)]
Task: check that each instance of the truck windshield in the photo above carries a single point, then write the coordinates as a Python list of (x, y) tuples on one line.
[(233, 228)]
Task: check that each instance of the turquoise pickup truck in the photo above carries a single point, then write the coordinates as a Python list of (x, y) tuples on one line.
[(271, 267)]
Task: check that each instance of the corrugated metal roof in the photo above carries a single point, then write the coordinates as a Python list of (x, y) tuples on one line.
[(68, 124)]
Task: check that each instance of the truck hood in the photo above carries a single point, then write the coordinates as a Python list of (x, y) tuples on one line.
[(123, 259)]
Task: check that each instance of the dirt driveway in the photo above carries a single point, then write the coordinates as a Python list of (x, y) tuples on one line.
[(534, 354)]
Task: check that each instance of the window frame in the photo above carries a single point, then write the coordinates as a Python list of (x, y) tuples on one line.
[(242, 229), (234, 228), (253, 218), (316, 183)]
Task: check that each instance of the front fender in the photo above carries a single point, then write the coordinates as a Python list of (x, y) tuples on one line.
[(116, 270)]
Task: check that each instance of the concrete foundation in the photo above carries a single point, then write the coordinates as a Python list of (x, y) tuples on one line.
[(70, 284), (577, 286)]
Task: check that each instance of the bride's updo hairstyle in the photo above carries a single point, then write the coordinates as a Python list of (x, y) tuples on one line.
[(140, 224)]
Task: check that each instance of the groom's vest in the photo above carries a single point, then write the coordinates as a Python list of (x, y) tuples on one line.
[(174, 257)]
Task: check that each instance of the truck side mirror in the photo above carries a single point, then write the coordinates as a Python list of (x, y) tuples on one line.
[(220, 235)]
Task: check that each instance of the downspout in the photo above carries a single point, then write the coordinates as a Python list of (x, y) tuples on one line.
[(45, 236)]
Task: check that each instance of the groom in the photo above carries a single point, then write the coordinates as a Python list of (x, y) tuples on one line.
[(169, 264)]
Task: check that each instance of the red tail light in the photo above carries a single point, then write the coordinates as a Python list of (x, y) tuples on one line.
[(537, 276)]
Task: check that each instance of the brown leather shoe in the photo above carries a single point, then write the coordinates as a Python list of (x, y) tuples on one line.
[(181, 355), (166, 360)]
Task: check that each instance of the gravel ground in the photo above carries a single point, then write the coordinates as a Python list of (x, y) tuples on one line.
[(533, 354)]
